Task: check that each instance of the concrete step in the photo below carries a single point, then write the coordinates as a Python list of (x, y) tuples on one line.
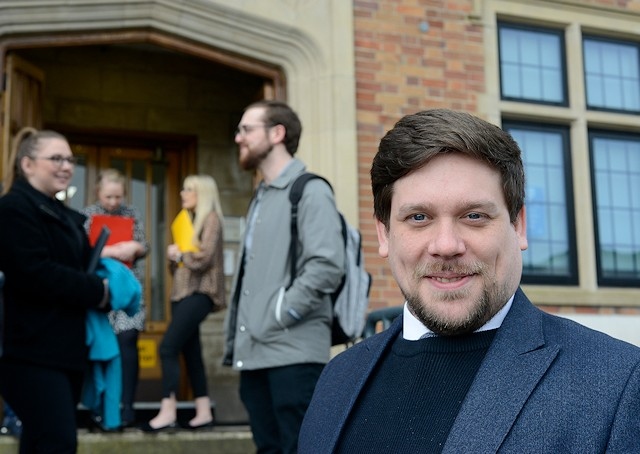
[(222, 439), (144, 411), (219, 440)]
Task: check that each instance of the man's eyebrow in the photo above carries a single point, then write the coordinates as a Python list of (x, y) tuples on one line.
[(485, 205), (414, 207)]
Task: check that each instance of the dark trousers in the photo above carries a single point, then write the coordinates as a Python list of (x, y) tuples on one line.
[(183, 336), (276, 400), (128, 343), (45, 400)]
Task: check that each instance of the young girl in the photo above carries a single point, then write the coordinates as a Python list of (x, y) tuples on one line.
[(110, 192)]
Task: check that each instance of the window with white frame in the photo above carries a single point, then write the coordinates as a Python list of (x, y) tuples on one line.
[(532, 69)]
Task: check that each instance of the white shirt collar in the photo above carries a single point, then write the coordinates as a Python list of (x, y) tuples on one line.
[(413, 329)]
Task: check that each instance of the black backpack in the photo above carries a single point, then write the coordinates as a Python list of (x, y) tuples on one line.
[(351, 298)]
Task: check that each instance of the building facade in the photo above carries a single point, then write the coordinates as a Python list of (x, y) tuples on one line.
[(156, 88), (563, 77)]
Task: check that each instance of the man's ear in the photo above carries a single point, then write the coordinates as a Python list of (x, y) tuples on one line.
[(521, 228), (383, 239), (277, 133)]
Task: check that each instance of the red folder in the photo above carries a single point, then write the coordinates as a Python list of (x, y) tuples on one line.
[(121, 228)]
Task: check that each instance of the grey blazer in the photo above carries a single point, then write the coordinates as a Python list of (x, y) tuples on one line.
[(547, 385)]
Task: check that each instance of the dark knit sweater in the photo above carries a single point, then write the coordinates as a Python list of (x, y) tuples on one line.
[(413, 397)]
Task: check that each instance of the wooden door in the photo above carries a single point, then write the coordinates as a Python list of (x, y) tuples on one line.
[(21, 103), (152, 187), (153, 184)]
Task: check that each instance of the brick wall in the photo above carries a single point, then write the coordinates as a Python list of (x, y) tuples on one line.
[(410, 55)]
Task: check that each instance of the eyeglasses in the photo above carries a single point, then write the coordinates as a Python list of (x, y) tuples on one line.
[(58, 159), (187, 190), (243, 130)]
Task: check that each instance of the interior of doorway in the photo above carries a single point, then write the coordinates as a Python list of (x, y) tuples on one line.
[(139, 89), (153, 168)]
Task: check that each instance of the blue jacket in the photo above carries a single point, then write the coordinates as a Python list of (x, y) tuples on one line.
[(103, 384), (546, 385)]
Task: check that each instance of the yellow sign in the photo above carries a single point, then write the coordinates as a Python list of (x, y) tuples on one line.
[(147, 353)]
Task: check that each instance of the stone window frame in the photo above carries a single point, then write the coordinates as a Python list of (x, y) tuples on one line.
[(576, 21)]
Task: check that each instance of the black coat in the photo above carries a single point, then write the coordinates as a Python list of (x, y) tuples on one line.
[(44, 252)]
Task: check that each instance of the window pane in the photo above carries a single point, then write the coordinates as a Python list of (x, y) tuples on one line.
[(612, 74), (550, 257), (551, 89), (556, 185), (76, 195), (603, 194), (532, 83), (631, 90), (616, 176), (559, 227), (511, 80), (531, 65), (595, 93)]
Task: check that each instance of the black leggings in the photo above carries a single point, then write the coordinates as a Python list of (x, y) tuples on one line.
[(183, 335), (45, 400), (128, 342)]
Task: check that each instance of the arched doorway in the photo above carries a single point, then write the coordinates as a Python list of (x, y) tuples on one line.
[(257, 49), (158, 109)]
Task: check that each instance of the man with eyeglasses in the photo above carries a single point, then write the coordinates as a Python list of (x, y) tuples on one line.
[(278, 332)]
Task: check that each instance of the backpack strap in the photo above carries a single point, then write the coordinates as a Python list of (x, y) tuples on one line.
[(295, 194)]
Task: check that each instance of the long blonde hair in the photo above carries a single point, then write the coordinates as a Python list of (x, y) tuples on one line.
[(207, 200)]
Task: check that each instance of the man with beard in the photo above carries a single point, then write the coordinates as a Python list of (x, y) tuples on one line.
[(471, 365), (278, 332)]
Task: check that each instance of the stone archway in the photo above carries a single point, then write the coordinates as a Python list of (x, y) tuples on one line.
[(304, 48), (311, 41)]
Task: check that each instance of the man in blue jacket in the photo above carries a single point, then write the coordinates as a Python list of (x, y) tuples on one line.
[(472, 365)]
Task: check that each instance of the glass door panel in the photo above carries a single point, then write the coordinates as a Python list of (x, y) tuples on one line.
[(152, 187), (146, 176)]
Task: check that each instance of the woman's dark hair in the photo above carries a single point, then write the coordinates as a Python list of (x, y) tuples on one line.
[(279, 113), (417, 138)]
